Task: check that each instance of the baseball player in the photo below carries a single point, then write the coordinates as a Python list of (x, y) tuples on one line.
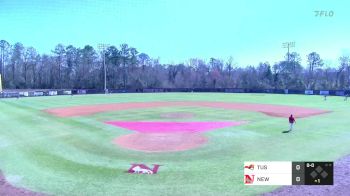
[(291, 122)]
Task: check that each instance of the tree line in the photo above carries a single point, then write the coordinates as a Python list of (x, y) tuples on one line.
[(70, 67)]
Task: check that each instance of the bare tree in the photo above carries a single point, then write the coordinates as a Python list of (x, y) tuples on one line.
[(314, 60), (4, 46), (59, 52), (16, 65), (29, 64), (345, 66), (125, 55), (73, 67)]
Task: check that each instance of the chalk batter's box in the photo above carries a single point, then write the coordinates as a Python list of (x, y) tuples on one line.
[(288, 173)]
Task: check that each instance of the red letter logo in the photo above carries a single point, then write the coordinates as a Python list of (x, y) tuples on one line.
[(143, 169), (251, 167), (248, 179)]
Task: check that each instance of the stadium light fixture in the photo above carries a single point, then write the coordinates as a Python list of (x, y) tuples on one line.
[(288, 45), (102, 48)]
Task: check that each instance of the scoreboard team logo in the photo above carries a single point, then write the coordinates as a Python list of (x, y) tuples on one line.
[(249, 179), (251, 167)]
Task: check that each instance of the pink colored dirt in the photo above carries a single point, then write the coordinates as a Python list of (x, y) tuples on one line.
[(161, 142), (8, 189), (268, 109), (166, 136), (172, 127)]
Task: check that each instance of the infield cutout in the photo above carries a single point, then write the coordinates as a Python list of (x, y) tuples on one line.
[(172, 127), (166, 136)]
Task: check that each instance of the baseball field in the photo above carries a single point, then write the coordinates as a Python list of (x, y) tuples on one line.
[(161, 143)]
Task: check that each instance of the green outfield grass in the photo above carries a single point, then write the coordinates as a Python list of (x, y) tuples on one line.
[(76, 156)]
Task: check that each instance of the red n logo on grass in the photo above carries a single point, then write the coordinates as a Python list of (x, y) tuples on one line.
[(137, 168)]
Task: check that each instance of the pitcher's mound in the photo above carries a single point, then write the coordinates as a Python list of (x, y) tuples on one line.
[(161, 142)]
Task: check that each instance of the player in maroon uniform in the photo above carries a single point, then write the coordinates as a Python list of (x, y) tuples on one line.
[(291, 122)]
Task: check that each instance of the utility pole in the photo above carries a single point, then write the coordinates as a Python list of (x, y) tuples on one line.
[(2, 46), (103, 47), (288, 45)]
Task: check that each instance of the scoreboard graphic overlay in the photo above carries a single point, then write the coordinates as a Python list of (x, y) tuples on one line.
[(288, 173)]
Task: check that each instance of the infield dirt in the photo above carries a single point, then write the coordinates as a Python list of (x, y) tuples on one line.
[(268, 109)]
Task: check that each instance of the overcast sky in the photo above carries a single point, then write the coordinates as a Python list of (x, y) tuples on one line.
[(248, 30)]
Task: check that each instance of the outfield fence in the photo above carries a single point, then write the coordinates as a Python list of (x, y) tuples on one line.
[(17, 93)]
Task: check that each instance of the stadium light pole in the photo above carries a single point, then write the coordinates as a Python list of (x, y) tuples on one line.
[(288, 45), (103, 47)]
